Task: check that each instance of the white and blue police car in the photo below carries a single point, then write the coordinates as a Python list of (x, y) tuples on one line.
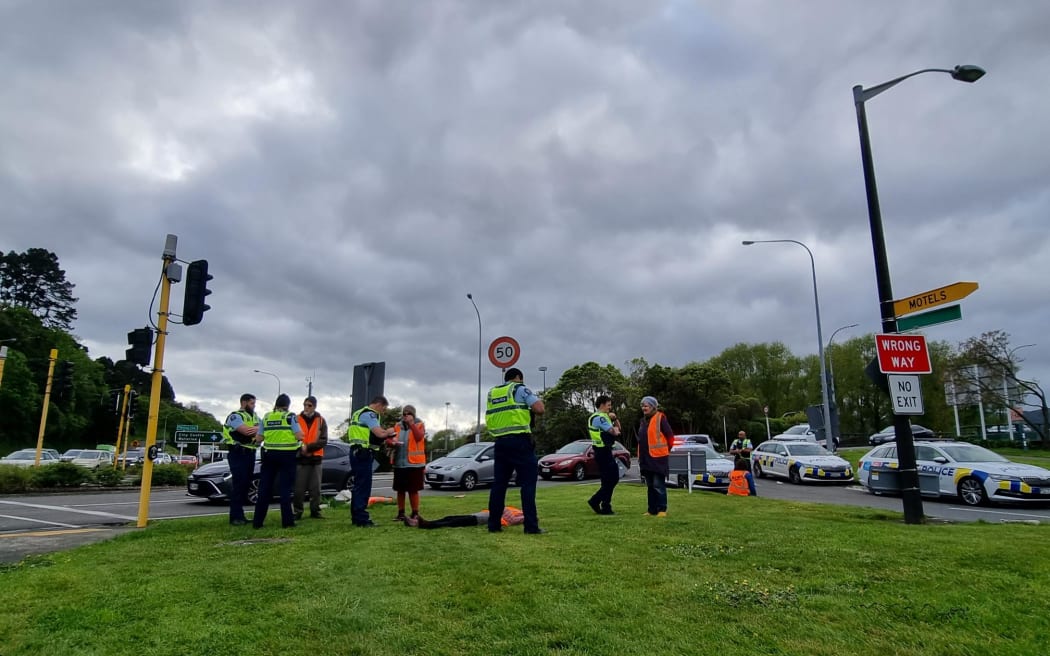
[(798, 462)]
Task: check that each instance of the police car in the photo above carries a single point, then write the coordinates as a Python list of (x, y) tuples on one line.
[(970, 472), (799, 461), (715, 474)]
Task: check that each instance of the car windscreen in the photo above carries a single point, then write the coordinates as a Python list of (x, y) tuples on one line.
[(574, 448), (807, 450), (467, 451), (21, 455), (972, 453), (797, 430)]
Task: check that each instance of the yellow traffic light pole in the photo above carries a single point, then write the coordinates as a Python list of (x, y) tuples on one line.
[(155, 382), (120, 423), (47, 401)]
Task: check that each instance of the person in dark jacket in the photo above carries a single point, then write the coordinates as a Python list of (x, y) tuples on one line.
[(309, 459), (604, 428), (654, 448)]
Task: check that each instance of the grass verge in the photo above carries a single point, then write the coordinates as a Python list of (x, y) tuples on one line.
[(718, 575)]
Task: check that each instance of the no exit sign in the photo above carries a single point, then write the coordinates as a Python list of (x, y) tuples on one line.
[(903, 354)]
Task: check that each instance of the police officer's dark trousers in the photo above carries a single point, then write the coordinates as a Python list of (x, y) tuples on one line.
[(277, 466), (242, 468), (610, 476), (514, 454), (361, 467)]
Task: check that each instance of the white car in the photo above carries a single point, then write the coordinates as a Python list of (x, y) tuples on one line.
[(799, 461), (93, 459), (716, 474), (796, 433), (970, 472), (27, 458)]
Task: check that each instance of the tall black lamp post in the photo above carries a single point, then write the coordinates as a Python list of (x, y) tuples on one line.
[(909, 476), (477, 434)]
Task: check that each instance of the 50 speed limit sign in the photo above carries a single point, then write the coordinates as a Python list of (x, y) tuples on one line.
[(504, 352)]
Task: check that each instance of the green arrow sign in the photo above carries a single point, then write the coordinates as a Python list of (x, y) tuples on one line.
[(186, 427), (942, 315)]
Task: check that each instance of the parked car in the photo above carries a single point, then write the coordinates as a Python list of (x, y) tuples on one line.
[(970, 472), (467, 467), (798, 462), (27, 458), (800, 432), (888, 435), (717, 468), (576, 460), (132, 457), (70, 454), (93, 459), (214, 482), (695, 442), (163, 459), (185, 460)]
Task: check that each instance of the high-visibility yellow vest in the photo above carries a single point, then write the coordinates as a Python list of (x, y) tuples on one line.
[(278, 435), (596, 433), (359, 433), (249, 419), (504, 415)]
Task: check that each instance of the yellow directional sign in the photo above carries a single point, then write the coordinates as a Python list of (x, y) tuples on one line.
[(933, 298)]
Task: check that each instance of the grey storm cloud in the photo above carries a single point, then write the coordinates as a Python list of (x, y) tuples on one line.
[(586, 170)]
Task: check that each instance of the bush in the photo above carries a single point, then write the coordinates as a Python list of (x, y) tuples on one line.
[(14, 479), (109, 476), (166, 475), (61, 474)]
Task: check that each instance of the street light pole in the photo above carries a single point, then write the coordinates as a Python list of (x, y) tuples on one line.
[(909, 476), (260, 371), (477, 434), (831, 365), (544, 371), (829, 439), (447, 403)]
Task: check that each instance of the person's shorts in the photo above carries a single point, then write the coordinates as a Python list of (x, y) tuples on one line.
[(408, 479)]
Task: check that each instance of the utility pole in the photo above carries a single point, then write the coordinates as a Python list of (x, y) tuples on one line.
[(52, 357)]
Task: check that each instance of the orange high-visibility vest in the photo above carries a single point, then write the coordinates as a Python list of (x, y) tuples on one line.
[(658, 447), (738, 484), (417, 446), (311, 432)]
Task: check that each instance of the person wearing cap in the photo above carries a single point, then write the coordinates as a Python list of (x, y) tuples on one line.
[(654, 448), (309, 458), (281, 439), (241, 434), (366, 436), (508, 417), (409, 458)]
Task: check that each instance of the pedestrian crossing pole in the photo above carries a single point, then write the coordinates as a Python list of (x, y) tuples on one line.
[(47, 401), (168, 271)]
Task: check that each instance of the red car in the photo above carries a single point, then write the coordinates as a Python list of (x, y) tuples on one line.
[(185, 460), (576, 460)]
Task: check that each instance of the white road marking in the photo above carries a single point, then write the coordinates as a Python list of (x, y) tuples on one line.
[(999, 512), (39, 521), (68, 509), (133, 503)]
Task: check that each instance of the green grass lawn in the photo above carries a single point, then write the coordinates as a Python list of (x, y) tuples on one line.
[(717, 576)]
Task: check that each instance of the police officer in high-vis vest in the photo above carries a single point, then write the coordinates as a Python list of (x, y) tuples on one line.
[(366, 437), (240, 434), (508, 419), (282, 438), (604, 430)]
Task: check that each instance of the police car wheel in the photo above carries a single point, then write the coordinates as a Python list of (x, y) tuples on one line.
[(756, 469), (794, 476), (971, 491), (253, 491), (469, 481)]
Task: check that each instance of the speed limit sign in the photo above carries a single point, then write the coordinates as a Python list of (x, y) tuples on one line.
[(504, 352)]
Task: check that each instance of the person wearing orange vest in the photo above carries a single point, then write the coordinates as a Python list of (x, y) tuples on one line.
[(654, 448), (741, 482), (309, 459), (409, 458), (511, 517)]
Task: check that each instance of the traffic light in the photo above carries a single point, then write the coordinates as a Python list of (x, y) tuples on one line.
[(63, 382), (133, 398), (193, 305), (141, 342)]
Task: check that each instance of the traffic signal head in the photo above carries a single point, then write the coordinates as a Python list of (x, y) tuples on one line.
[(141, 342), (63, 383), (133, 398), (193, 305)]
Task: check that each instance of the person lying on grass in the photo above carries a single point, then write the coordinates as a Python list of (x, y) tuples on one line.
[(511, 517)]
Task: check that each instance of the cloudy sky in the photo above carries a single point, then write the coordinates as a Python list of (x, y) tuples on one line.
[(587, 170)]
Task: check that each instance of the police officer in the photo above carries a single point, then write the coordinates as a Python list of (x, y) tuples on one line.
[(281, 440), (741, 446), (603, 431), (508, 417), (240, 434), (366, 437)]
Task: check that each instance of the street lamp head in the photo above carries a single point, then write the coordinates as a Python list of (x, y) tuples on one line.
[(543, 369), (747, 243), (470, 296), (967, 73)]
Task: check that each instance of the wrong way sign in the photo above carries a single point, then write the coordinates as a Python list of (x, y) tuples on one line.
[(903, 354)]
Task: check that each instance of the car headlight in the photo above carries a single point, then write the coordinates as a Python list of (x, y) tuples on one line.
[(454, 468), (1003, 477)]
